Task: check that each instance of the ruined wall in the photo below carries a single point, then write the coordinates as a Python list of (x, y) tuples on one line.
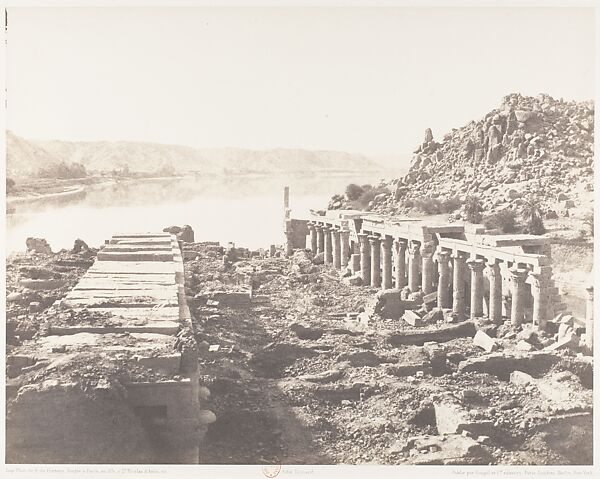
[(54, 423)]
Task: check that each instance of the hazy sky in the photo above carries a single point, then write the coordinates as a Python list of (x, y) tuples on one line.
[(357, 79)]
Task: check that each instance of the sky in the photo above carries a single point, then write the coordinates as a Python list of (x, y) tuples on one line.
[(362, 80)]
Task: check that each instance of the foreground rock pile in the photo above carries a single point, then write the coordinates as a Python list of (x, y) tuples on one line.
[(528, 145)]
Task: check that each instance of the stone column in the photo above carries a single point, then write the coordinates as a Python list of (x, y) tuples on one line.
[(589, 319), (541, 298), (289, 245), (495, 279), (443, 291), (345, 240), (320, 239), (337, 249), (328, 245), (458, 291), (386, 260), (375, 260), (414, 257), (400, 263), (476, 266), (313, 238), (365, 259), (517, 276), (427, 268)]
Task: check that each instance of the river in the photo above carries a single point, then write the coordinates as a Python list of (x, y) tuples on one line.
[(245, 210)]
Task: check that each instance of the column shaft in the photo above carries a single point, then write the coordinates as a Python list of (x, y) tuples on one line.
[(328, 245), (443, 291), (517, 312), (414, 257), (386, 259), (345, 240), (320, 239), (427, 269), (495, 279), (365, 259), (313, 239), (337, 249), (458, 292), (375, 261), (476, 266), (400, 263)]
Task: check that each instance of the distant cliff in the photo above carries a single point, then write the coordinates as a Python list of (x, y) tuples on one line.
[(26, 157)]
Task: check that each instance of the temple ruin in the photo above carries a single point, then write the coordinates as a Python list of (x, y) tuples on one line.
[(454, 265)]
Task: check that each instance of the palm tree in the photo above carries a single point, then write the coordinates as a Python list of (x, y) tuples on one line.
[(532, 215)]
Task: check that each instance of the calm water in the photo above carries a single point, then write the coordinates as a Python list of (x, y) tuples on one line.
[(247, 211)]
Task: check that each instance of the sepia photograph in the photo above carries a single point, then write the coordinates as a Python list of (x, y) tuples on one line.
[(290, 236)]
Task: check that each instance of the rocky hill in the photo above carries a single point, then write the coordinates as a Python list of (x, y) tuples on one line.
[(528, 146), (26, 157)]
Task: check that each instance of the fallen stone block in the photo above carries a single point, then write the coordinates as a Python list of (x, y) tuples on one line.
[(520, 378), (569, 341), (502, 364), (430, 298), (440, 335), (412, 318), (484, 341), (433, 316), (354, 280), (525, 346), (319, 258), (324, 377)]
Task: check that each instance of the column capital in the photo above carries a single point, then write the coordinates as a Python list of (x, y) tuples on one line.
[(460, 255), (335, 231), (363, 238), (443, 256), (518, 275), (373, 239), (400, 242), (414, 248), (427, 250), (476, 265), (387, 241), (344, 232), (317, 226)]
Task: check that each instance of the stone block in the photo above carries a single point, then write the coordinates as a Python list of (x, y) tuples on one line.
[(482, 340), (569, 341), (523, 345), (412, 318), (520, 378)]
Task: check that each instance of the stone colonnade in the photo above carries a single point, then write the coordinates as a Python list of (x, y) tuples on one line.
[(386, 262)]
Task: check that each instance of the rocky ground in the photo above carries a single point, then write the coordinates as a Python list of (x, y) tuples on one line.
[(305, 370), (35, 280), (294, 379)]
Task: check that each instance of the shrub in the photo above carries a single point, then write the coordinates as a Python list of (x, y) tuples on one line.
[(532, 216), (473, 209), (353, 192), (367, 196), (63, 170), (505, 221), (450, 205), (429, 206)]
